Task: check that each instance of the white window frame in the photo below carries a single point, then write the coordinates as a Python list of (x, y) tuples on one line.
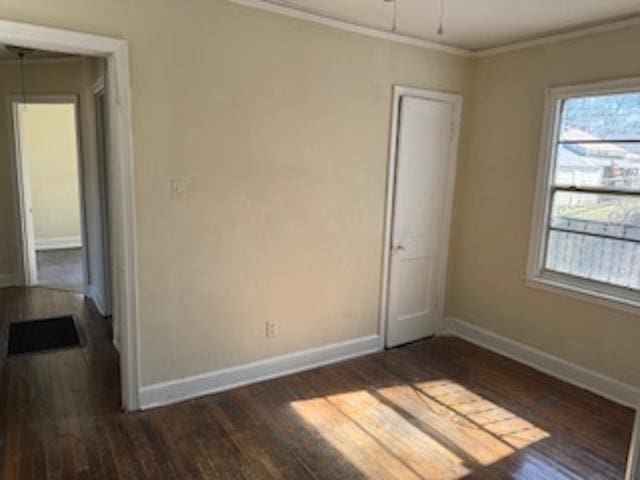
[(619, 298)]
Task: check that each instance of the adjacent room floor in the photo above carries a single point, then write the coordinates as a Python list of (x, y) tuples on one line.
[(60, 269), (436, 409)]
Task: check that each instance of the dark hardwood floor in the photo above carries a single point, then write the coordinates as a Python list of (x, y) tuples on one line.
[(436, 409)]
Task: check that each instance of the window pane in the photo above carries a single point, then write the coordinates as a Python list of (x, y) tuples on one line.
[(611, 215), (605, 117), (596, 237), (616, 262), (606, 165)]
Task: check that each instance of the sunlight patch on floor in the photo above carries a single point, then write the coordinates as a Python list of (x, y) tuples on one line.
[(376, 440), (435, 430), (500, 422)]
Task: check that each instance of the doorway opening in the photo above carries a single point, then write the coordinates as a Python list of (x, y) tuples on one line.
[(108, 258), (48, 166)]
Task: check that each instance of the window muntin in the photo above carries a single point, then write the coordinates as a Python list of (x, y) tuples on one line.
[(593, 225)]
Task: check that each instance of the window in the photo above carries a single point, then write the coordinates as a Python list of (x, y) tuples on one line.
[(586, 232)]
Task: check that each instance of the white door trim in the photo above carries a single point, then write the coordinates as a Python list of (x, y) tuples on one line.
[(456, 101), (103, 299), (22, 194), (116, 51), (98, 86), (633, 460)]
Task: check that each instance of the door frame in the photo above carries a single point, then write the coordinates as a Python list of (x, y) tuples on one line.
[(21, 184), (456, 101), (98, 90), (116, 52), (23, 188), (633, 460)]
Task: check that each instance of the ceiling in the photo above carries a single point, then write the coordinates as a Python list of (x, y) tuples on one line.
[(8, 56), (473, 24)]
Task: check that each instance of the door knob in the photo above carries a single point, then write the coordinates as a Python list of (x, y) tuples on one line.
[(399, 248)]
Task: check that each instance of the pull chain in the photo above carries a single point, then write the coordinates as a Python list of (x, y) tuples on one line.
[(22, 82), (441, 22), (395, 16)]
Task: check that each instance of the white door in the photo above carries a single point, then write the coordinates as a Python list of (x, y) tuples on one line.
[(421, 208)]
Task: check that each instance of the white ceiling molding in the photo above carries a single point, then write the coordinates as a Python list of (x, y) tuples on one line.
[(352, 27), (558, 37), (428, 44)]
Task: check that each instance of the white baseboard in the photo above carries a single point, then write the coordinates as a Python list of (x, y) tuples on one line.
[(595, 382), (10, 280), (190, 387), (58, 243), (94, 294)]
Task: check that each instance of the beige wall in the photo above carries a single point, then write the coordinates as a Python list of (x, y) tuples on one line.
[(495, 198), (50, 152), (280, 128)]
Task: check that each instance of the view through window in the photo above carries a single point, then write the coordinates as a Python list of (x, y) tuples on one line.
[(594, 224)]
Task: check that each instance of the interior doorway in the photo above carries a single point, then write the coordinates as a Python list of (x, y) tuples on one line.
[(114, 55), (48, 171)]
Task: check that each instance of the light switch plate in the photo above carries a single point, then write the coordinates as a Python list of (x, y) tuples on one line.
[(271, 329), (177, 188)]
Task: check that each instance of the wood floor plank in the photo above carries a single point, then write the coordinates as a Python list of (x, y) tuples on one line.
[(437, 409)]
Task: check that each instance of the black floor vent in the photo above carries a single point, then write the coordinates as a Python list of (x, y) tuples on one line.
[(42, 335)]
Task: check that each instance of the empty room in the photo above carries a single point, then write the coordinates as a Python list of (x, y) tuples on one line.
[(291, 239)]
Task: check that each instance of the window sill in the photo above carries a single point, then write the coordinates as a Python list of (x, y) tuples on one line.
[(580, 290)]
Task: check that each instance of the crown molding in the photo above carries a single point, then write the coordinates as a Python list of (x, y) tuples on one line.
[(268, 6), (559, 37), (352, 27)]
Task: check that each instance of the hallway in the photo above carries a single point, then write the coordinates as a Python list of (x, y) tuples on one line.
[(60, 269), (49, 402)]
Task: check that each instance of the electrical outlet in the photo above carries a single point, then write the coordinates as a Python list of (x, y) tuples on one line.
[(271, 329)]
